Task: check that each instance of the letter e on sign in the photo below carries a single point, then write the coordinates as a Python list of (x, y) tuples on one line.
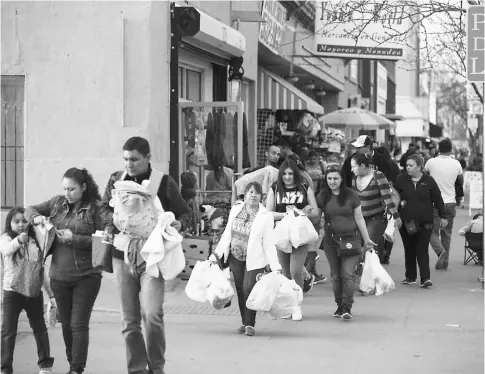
[(475, 61)]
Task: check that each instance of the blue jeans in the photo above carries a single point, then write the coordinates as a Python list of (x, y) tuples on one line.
[(342, 273), (445, 242), (292, 264), (141, 297), (244, 281), (13, 304), (75, 302)]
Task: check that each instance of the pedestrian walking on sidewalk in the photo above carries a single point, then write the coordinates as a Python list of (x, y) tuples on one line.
[(419, 196), (375, 196), (75, 283), (343, 219), (18, 245), (448, 174), (141, 295), (287, 193), (248, 245)]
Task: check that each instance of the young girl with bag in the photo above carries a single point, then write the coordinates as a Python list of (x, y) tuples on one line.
[(23, 279), (344, 229)]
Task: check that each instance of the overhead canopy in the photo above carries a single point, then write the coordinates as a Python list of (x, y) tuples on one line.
[(357, 118), (274, 93)]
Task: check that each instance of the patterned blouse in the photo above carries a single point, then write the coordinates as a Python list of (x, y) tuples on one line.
[(241, 227)]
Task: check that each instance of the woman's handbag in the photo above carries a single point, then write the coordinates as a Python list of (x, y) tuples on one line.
[(348, 244), (412, 226), (102, 253), (28, 276)]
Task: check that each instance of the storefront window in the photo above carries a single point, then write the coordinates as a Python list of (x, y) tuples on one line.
[(194, 85), (190, 84)]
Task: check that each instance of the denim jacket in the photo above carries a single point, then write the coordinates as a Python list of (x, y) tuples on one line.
[(85, 222)]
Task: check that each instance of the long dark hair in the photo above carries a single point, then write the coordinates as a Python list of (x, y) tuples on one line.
[(327, 192), (12, 234), (289, 163), (81, 176)]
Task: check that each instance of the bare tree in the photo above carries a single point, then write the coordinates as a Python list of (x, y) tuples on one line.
[(441, 25)]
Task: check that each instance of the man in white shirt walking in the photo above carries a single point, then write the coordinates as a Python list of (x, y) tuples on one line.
[(445, 170)]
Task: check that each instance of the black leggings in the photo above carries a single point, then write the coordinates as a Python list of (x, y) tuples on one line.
[(245, 281)]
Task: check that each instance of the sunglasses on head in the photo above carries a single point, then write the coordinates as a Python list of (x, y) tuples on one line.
[(333, 168)]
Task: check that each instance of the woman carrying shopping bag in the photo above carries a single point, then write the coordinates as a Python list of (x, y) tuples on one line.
[(23, 278), (344, 230), (375, 196), (74, 281), (248, 245), (287, 193), (419, 194)]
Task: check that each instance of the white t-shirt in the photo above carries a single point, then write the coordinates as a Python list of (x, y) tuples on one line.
[(445, 170)]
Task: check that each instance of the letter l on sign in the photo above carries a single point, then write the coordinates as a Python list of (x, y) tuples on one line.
[(475, 60)]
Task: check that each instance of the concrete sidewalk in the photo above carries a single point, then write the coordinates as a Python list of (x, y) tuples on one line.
[(436, 330)]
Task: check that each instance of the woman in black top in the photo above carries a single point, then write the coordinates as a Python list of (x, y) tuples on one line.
[(287, 193), (419, 194)]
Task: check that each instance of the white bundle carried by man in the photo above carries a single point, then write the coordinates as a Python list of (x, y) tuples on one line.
[(145, 228), (375, 278), (136, 208), (294, 230), (208, 282)]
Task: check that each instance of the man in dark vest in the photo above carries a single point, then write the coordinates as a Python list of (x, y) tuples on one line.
[(141, 294)]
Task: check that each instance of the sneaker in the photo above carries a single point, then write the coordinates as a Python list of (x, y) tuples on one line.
[(408, 281), (45, 371), (241, 330), (250, 331), (319, 278), (297, 315), (441, 264), (338, 312), (308, 284), (346, 315), (426, 283)]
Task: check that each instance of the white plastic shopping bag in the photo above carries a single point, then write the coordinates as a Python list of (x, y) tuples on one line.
[(264, 292), (282, 233), (375, 274), (287, 299), (219, 291), (198, 282), (390, 229), (302, 231), (384, 282), (367, 282)]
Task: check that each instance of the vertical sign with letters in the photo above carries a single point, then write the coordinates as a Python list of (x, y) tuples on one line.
[(475, 61)]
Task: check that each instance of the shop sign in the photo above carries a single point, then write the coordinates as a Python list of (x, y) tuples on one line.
[(273, 26), (381, 30), (334, 147), (475, 69), (381, 81)]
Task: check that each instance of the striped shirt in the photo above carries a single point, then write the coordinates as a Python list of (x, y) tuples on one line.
[(376, 197)]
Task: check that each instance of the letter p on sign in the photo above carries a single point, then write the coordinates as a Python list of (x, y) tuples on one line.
[(475, 60)]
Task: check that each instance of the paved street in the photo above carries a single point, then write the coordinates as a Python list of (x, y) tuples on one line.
[(437, 330)]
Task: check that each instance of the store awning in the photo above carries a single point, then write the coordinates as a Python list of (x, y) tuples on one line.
[(275, 93)]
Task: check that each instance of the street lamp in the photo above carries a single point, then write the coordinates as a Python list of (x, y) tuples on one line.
[(236, 74)]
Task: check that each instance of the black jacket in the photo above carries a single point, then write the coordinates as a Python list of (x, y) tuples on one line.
[(418, 201), (381, 163)]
